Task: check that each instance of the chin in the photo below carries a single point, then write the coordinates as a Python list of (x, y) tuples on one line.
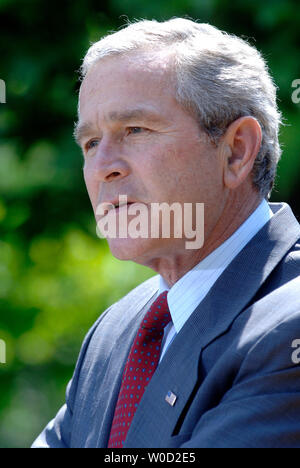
[(132, 249)]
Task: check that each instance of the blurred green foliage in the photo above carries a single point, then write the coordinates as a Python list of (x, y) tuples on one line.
[(56, 276)]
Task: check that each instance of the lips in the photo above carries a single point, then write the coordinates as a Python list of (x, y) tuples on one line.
[(115, 204), (119, 205)]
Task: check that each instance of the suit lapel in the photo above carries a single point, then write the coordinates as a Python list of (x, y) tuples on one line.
[(156, 420), (126, 315), (238, 285)]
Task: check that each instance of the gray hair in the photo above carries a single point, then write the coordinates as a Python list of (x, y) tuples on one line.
[(219, 78)]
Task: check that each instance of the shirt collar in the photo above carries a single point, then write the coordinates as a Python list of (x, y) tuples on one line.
[(187, 293)]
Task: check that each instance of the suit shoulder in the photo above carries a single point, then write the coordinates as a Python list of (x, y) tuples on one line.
[(269, 313), (287, 270), (293, 257), (118, 317), (130, 305), (148, 287), (285, 298), (289, 267)]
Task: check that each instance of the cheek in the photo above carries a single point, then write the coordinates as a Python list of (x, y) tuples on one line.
[(87, 178), (91, 185), (159, 176), (178, 167), (196, 172)]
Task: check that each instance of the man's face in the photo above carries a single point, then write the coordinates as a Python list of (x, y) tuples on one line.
[(138, 141)]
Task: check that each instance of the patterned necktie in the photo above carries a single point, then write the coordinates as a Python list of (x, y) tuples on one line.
[(140, 366)]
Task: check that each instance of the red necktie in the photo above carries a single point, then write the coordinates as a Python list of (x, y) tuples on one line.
[(140, 366)]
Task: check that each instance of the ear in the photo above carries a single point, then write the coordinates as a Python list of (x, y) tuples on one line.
[(240, 146)]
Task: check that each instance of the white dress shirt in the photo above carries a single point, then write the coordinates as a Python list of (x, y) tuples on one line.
[(187, 293)]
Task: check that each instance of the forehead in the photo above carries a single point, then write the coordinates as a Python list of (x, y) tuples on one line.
[(136, 76)]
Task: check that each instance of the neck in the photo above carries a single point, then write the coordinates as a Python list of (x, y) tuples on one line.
[(236, 211)]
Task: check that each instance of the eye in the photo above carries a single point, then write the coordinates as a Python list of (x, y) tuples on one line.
[(91, 144), (135, 130)]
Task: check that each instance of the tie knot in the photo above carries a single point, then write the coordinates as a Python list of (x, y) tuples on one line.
[(158, 316)]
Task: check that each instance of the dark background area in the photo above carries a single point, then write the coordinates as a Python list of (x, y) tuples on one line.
[(56, 276)]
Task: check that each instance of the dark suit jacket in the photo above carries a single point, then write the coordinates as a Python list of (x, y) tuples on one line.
[(230, 366)]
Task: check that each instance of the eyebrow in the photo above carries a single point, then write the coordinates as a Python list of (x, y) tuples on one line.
[(83, 128), (80, 130)]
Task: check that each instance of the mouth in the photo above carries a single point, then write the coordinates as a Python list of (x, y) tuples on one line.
[(118, 205), (108, 206)]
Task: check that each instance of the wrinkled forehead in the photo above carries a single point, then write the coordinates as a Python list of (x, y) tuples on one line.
[(119, 70)]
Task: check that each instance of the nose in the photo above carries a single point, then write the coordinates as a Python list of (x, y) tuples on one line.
[(108, 164)]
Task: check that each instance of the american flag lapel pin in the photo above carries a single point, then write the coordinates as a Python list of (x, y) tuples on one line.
[(171, 398)]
